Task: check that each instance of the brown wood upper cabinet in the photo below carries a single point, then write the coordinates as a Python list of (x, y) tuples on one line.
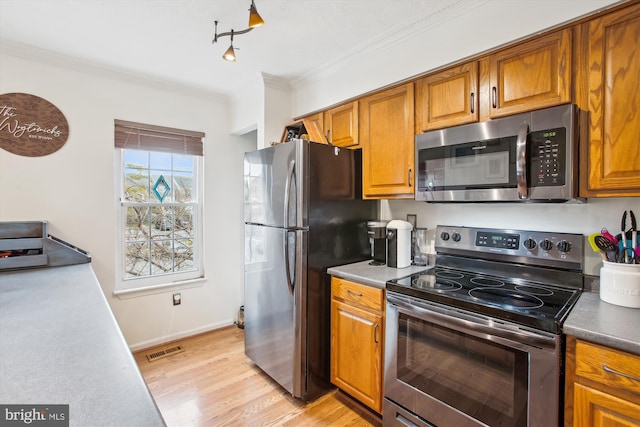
[(612, 98), (387, 135), (447, 98), (341, 125), (528, 76), (317, 118)]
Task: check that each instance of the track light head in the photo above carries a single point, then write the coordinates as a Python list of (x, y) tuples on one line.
[(255, 20)]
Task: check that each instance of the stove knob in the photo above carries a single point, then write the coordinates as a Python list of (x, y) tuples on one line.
[(530, 244), (564, 246), (546, 245), (455, 237), (444, 236)]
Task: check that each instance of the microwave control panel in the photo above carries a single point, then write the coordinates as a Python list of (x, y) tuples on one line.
[(548, 157)]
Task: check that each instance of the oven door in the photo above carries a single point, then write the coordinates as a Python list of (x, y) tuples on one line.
[(452, 367)]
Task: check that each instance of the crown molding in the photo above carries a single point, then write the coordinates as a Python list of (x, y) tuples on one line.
[(275, 82), (394, 36), (47, 57)]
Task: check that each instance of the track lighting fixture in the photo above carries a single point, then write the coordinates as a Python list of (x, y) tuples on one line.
[(230, 54), (255, 20)]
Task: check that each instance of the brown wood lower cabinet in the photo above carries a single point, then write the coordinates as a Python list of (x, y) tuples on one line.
[(357, 340), (602, 386)]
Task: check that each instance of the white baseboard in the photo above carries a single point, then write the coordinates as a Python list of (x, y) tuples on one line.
[(178, 335)]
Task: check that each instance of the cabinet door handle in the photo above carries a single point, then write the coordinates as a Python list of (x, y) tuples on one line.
[(375, 333), (494, 97), (327, 136), (409, 178), (622, 374), (473, 102), (353, 294)]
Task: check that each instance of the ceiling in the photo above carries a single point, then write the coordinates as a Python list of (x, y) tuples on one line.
[(170, 41)]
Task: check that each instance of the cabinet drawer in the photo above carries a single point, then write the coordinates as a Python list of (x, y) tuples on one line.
[(607, 366), (357, 294)]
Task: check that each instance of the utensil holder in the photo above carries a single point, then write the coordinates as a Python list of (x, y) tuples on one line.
[(620, 284)]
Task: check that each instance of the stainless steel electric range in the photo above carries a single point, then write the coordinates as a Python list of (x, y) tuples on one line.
[(476, 340)]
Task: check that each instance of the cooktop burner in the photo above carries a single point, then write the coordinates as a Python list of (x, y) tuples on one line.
[(531, 284), (541, 306)]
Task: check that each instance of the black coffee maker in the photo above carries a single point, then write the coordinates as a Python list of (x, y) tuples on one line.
[(377, 231)]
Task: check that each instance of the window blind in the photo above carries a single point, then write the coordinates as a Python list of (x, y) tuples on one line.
[(140, 136)]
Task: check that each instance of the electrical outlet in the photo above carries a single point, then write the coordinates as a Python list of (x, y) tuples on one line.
[(177, 298)]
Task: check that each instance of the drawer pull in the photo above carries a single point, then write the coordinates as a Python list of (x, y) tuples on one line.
[(353, 294), (613, 371)]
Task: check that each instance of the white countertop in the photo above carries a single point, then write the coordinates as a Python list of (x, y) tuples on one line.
[(373, 275), (62, 345)]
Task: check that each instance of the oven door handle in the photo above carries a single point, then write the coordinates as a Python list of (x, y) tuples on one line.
[(469, 323)]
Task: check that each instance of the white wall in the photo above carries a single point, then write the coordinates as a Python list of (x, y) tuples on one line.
[(247, 107), (469, 28), (74, 189), (585, 219), (277, 110)]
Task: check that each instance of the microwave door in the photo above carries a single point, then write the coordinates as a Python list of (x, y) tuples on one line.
[(476, 171)]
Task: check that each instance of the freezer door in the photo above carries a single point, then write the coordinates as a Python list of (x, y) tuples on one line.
[(272, 185), (275, 318)]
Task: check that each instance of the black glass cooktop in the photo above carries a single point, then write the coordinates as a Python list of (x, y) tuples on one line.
[(541, 306)]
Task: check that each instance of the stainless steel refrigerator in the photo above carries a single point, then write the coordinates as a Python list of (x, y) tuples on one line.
[(303, 213)]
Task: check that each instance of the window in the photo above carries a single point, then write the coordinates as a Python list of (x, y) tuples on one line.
[(160, 233)]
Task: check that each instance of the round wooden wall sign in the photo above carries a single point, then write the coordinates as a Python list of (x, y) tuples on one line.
[(31, 126)]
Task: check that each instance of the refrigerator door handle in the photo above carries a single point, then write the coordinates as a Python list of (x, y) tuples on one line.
[(287, 264), (287, 192)]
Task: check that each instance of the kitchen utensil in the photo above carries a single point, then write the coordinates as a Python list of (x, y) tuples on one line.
[(605, 245), (634, 235), (595, 247), (623, 228), (608, 235)]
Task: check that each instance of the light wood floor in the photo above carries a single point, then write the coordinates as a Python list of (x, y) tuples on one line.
[(212, 383)]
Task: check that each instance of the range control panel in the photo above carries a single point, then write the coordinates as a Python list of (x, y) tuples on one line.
[(562, 250)]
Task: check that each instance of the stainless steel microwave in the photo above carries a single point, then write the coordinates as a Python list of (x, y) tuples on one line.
[(530, 157)]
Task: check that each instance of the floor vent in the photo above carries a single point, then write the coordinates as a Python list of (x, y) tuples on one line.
[(164, 353)]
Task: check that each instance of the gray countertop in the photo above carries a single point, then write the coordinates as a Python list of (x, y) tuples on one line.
[(597, 321), (373, 275), (62, 345)]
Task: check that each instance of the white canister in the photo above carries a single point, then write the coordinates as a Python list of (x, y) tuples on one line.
[(620, 284)]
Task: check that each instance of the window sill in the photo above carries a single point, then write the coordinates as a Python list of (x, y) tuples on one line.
[(158, 289)]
